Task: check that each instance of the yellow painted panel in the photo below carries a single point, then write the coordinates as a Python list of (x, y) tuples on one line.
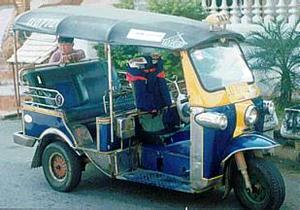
[(42, 111), (197, 95), (241, 91), (240, 117)]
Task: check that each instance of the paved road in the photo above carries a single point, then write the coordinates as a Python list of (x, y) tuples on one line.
[(23, 187)]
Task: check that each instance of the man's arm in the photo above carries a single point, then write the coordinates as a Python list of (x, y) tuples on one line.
[(55, 57), (77, 55)]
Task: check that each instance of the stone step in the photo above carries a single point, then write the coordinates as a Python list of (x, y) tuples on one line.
[(6, 114)]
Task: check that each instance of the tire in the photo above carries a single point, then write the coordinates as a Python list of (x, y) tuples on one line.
[(267, 184), (61, 166)]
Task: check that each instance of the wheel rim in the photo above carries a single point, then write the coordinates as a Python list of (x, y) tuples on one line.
[(259, 189), (58, 166)]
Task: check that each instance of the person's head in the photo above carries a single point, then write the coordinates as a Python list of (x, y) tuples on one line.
[(155, 57), (65, 44)]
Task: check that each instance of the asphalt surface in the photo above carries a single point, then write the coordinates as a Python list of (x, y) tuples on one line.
[(22, 187)]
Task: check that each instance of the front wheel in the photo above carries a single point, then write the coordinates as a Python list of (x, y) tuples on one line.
[(62, 167), (268, 189)]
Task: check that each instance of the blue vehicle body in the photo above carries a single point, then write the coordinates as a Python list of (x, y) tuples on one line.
[(164, 162), (43, 122), (185, 132), (218, 142)]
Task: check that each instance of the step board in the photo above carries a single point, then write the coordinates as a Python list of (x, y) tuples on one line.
[(158, 179)]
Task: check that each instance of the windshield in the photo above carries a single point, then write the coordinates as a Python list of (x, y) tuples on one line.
[(220, 64)]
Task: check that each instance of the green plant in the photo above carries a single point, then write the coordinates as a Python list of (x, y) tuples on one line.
[(125, 4), (172, 64), (190, 9), (275, 50), (120, 54)]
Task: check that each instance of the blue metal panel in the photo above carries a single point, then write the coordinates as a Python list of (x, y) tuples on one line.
[(247, 142), (215, 141), (105, 136), (177, 165), (181, 135), (171, 159), (259, 125), (149, 158), (68, 90), (41, 122)]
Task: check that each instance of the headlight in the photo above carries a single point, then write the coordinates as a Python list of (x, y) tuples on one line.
[(251, 115), (212, 120), (269, 107)]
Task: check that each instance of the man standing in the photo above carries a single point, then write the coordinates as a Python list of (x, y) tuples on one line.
[(65, 52)]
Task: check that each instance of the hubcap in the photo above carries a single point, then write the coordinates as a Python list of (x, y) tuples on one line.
[(58, 166), (259, 190)]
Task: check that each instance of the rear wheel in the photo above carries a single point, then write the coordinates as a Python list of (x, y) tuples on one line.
[(62, 167), (268, 189)]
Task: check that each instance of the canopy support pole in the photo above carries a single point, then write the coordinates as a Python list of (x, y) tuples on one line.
[(15, 83), (16, 73), (110, 90)]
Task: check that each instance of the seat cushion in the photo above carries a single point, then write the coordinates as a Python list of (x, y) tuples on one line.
[(93, 109)]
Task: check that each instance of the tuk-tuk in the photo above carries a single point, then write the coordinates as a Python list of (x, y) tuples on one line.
[(290, 127), (201, 134)]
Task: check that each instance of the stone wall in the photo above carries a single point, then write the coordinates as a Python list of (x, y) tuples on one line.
[(42, 3), (6, 77), (6, 2), (8, 103)]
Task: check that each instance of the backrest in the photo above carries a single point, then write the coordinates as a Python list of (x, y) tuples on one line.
[(79, 83), (96, 82)]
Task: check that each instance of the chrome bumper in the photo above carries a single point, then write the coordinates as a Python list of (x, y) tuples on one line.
[(24, 140)]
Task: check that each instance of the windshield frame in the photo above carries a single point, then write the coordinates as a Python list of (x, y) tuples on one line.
[(203, 46)]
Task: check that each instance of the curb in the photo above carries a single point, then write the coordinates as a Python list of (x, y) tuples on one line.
[(287, 153), (8, 115)]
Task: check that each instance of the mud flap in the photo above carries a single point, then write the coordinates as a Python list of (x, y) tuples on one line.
[(36, 160), (228, 179)]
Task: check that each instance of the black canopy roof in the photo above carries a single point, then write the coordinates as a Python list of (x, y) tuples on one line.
[(119, 26)]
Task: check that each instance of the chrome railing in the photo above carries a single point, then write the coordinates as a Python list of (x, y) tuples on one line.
[(43, 97)]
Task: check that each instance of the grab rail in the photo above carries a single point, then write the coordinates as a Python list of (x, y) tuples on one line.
[(44, 97)]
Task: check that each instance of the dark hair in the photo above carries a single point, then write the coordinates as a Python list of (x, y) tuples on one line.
[(65, 40)]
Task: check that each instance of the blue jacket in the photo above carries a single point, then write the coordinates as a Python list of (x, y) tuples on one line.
[(151, 90)]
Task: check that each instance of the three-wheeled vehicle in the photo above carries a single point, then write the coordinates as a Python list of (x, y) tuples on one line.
[(290, 127), (206, 134)]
